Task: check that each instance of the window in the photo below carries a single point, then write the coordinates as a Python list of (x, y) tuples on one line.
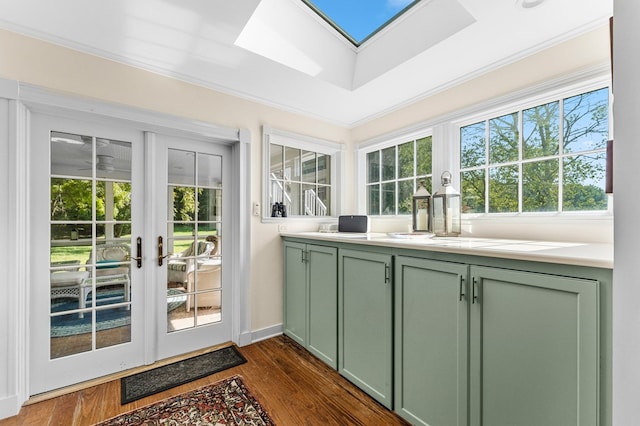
[(359, 21), (393, 174), (301, 175), (547, 158)]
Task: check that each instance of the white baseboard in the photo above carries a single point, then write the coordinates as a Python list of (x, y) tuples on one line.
[(9, 406), (244, 339), (266, 333)]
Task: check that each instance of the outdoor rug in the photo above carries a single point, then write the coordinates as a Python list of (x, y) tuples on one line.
[(227, 402), (72, 324), (178, 373)]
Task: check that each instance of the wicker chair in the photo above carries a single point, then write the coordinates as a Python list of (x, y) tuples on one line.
[(181, 264)]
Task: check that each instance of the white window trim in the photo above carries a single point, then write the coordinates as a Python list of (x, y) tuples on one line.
[(307, 143), (519, 105), (394, 139)]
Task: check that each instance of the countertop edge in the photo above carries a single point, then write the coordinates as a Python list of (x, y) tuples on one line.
[(574, 253)]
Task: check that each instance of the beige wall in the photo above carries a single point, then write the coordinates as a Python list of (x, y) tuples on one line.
[(588, 50), (70, 72)]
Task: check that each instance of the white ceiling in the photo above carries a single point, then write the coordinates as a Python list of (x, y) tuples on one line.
[(281, 53)]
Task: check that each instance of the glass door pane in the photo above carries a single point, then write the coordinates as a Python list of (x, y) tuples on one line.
[(90, 236), (194, 224)]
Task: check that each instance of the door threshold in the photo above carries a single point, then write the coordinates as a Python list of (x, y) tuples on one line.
[(115, 376)]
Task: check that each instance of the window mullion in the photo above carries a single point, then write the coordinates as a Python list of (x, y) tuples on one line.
[(561, 131), (487, 166), (520, 168)]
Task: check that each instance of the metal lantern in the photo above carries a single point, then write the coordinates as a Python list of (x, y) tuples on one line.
[(446, 209), (421, 210)]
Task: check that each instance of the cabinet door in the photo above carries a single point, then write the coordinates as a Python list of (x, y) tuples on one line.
[(365, 318), (322, 264), (431, 334), (295, 292), (534, 349)]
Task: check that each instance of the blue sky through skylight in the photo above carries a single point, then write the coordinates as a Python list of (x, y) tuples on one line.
[(360, 18)]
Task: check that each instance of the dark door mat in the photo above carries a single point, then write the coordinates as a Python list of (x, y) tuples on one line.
[(168, 376)]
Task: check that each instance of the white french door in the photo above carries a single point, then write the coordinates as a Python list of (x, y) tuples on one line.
[(191, 274), (102, 298)]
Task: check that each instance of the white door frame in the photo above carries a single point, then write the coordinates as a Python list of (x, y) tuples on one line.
[(34, 99)]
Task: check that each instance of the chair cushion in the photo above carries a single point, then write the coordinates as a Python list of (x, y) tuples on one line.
[(68, 278), (202, 248), (177, 266), (113, 253)]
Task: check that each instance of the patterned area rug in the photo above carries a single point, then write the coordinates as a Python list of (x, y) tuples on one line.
[(162, 378), (227, 402)]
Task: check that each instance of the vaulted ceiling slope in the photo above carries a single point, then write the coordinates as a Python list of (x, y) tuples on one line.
[(279, 52)]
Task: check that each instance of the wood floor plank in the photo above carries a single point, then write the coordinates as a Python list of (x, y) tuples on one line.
[(293, 386)]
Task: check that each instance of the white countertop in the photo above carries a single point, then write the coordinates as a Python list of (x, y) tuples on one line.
[(566, 253)]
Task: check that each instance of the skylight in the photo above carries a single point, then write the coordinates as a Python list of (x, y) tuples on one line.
[(358, 20)]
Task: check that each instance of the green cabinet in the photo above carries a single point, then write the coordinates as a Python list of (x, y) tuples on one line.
[(501, 348), (533, 349), (431, 341), (449, 339), (311, 298), (365, 318)]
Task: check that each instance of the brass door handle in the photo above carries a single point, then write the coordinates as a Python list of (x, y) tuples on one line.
[(160, 250), (138, 257)]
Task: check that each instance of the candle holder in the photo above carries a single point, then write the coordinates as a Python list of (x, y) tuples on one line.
[(446, 209), (421, 209)]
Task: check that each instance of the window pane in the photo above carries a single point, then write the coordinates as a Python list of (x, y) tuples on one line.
[(324, 201), (389, 198), (540, 186), (324, 169), (68, 250), (405, 196), (503, 139), (183, 200), (181, 167), (472, 191), (209, 205), (292, 164), (373, 199), (113, 159), (295, 176), (405, 160), (472, 145), (503, 189), (309, 200), (209, 170), (424, 156), (276, 166), (113, 201), (276, 191), (584, 178), (308, 166), (586, 121), (71, 155), (389, 163), (292, 197), (540, 127), (373, 167), (71, 199)]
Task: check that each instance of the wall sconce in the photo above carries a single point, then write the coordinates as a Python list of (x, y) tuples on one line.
[(446, 209), (421, 209)]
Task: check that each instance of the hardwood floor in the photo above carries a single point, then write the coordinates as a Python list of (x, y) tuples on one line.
[(294, 387)]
